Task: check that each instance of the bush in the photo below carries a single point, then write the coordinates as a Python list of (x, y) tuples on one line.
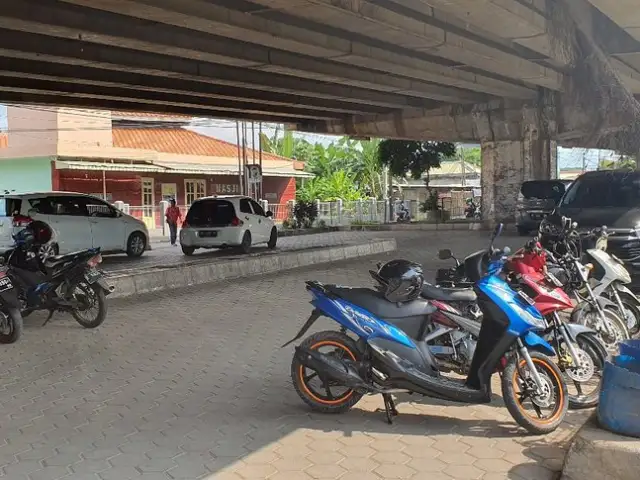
[(304, 214), (432, 203)]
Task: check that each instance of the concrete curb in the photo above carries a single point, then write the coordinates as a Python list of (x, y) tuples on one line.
[(154, 280), (385, 227), (597, 454)]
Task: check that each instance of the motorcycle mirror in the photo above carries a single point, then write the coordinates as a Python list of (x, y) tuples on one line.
[(445, 254)]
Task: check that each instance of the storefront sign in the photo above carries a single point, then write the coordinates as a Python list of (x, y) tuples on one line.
[(226, 189)]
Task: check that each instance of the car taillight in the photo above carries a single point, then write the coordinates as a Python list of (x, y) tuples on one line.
[(94, 261), (21, 221), (236, 222)]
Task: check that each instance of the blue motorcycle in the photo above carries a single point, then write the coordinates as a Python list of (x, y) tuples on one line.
[(331, 370)]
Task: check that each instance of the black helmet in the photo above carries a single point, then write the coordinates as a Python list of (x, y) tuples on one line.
[(37, 233), (399, 280)]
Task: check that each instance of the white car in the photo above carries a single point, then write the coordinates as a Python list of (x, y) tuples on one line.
[(78, 222), (227, 221)]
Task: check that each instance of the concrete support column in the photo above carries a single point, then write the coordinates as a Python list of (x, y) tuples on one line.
[(505, 165)]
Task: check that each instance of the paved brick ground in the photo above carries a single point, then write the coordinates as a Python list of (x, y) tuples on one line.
[(192, 385)]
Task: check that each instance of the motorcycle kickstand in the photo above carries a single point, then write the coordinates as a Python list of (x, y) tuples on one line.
[(389, 407), (51, 312)]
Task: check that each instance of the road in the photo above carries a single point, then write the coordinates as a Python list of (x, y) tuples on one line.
[(192, 384)]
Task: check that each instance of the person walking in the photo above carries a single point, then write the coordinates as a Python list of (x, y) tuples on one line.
[(173, 216)]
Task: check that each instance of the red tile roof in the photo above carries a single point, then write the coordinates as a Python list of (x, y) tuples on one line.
[(180, 141), (151, 115)]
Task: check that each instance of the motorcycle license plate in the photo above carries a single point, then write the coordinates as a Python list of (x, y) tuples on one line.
[(526, 298), (92, 276), (5, 284)]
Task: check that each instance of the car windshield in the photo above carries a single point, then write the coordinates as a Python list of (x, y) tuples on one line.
[(542, 189), (210, 212), (607, 191)]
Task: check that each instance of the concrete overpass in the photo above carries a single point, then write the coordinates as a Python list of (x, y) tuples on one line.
[(501, 72)]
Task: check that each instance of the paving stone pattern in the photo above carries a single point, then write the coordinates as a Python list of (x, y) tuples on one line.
[(192, 385)]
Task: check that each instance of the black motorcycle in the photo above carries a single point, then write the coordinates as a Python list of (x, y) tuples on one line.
[(66, 283), (10, 316)]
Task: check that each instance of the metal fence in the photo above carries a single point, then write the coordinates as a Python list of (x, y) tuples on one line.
[(333, 214)]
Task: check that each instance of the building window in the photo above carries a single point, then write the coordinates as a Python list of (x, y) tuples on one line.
[(193, 190), (147, 197)]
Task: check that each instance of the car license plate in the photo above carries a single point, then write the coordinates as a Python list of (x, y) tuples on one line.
[(5, 284), (91, 276), (526, 298), (208, 234)]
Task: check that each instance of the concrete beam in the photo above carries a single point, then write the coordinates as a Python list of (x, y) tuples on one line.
[(269, 101), (65, 100), (48, 87), (494, 121), (21, 45), (521, 23), (406, 36), (625, 13), (71, 22)]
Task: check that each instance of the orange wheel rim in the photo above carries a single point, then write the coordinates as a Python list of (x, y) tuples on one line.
[(347, 395), (558, 409)]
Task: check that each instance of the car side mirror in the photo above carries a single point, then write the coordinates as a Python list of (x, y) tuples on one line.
[(445, 254), (269, 214)]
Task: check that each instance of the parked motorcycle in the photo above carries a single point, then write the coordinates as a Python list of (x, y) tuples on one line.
[(563, 257), (403, 215), (609, 278), (580, 354), (67, 283), (472, 209), (392, 355), (10, 317)]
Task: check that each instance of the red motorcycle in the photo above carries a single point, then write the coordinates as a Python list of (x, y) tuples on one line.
[(581, 354)]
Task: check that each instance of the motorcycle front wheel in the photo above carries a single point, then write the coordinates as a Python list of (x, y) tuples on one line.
[(616, 325), (549, 407), (11, 325), (588, 374), (631, 312), (94, 305)]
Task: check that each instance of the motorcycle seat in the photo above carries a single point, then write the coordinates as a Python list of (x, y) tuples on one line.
[(57, 260), (375, 303), (431, 292)]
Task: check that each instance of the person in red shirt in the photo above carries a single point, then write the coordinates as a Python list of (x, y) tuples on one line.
[(173, 216)]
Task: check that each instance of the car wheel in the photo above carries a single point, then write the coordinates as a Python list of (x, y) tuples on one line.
[(136, 244), (245, 246), (273, 239), (48, 250), (188, 251)]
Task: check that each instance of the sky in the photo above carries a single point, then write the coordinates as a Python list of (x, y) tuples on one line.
[(226, 130), (567, 157)]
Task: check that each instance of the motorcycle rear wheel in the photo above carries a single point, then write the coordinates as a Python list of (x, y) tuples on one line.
[(100, 299), (326, 401), (514, 394), (13, 325)]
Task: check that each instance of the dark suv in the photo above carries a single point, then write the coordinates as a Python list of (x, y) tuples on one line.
[(536, 200), (611, 198)]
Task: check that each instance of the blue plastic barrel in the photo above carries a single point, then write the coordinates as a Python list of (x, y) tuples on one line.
[(619, 407), (630, 348)]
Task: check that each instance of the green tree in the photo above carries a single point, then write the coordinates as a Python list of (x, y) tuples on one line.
[(472, 155), (413, 158), (287, 146), (624, 162)]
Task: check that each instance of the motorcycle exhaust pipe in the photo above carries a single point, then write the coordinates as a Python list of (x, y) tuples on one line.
[(331, 367)]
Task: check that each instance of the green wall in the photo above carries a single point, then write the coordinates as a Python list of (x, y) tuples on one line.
[(25, 174)]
